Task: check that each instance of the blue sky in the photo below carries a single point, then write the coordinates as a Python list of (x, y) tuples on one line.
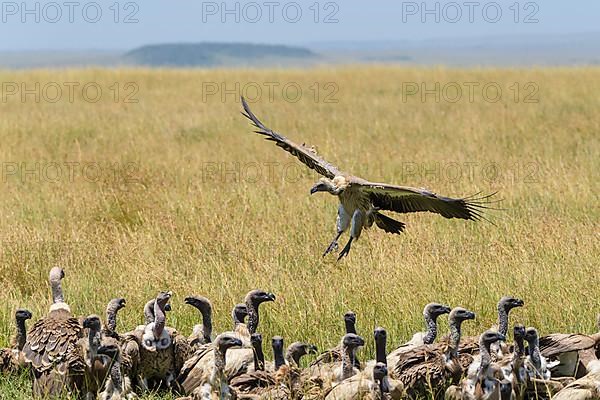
[(68, 24)]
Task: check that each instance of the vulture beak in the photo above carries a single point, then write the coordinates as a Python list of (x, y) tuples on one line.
[(314, 189)]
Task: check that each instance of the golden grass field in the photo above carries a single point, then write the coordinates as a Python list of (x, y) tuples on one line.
[(175, 192)]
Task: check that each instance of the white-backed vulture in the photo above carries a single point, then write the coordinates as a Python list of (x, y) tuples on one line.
[(213, 381), (239, 314), (239, 360), (156, 352), (335, 354), (572, 352), (429, 369), (360, 387), (114, 387), (484, 380), (201, 334), (96, 367), (149, 311), (112, 309), (361, 201), (12, 359), (331, 373), (296, 351), (253, 382), (283, 382), (53, 348), (506, 304), (431, 312), (585, 388), (396, 387), (278, 354)]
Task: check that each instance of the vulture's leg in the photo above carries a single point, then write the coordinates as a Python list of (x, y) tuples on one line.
[(358, 219), (333, 245), (342, 224), (346, 249)]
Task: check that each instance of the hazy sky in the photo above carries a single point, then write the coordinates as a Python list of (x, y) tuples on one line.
[(122, 24)]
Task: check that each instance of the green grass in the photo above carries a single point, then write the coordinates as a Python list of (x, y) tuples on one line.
[(156, 218)]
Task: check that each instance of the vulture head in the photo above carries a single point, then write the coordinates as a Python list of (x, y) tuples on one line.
[(155, 336), (22, 314), (459, 314), (256, 297), (350, 321), (116, 304), (507, 303), (225, 342), (380, 371), (239, 313), (519, 332), (352, 341), (93, 323), (531, 335), (489, 337), (434, 310), (298, 349), (200, 303), (56, 275), (380, 334), (335, 186)]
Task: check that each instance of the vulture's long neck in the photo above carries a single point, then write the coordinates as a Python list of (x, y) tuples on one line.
[(350, 326), (431, 329), (21, 334), (380, 353), (253, 318), (57, 293), (115, 375), (455, 334), (486, 359), (259, 357), (94, 338), (502, 319), (519, 347), (534, 352), (149, 312), (347, 361), (159, 320), (384, 385), (220, 361), (111, 318), (207, 325), (279, 360)]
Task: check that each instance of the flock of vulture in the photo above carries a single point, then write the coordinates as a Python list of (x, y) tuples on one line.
[(87, 358)]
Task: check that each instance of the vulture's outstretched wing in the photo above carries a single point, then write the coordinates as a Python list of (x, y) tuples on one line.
[(302, 153), (404, 199)]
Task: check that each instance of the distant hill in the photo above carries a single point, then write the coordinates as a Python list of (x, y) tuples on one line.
[(214, 54)]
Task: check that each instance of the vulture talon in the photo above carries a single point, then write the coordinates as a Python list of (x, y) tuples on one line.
[(346, 250)]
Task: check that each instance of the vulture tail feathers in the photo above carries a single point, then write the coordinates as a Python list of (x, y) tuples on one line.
[(388, 224)]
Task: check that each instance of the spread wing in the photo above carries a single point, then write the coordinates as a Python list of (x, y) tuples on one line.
[(556, 344), (307, 156), (404, 199)]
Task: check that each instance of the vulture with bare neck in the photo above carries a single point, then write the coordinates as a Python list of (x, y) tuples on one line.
[(362, 201)]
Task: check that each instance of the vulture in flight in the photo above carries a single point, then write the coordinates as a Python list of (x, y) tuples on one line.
[(362, 201)]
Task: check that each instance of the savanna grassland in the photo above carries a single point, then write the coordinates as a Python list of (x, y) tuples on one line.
[(175, 192)]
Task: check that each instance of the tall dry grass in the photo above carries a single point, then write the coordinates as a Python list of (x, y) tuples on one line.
[(161, 206)]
